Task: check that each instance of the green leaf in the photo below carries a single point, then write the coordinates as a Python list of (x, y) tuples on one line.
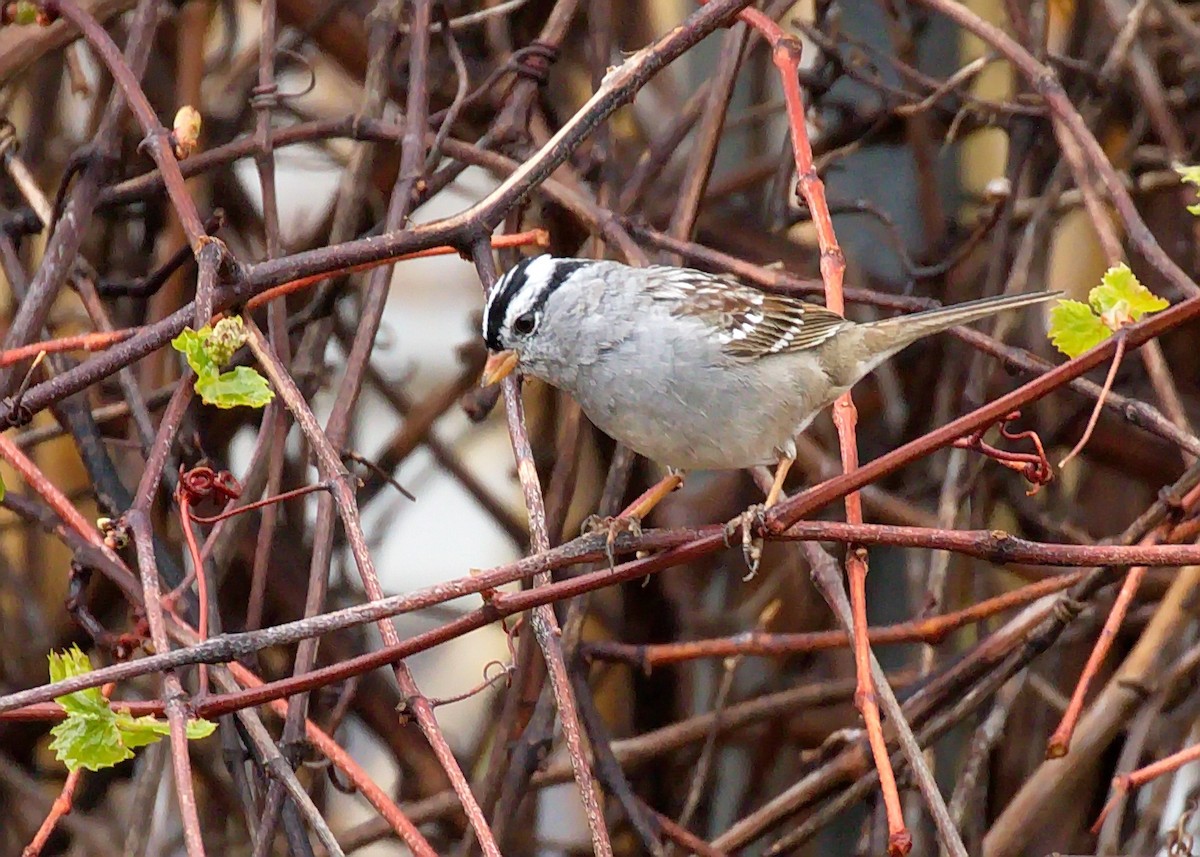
[(198, 728), (94, 736), (1121, 299), (3, 488), (191, 344), (73, 662), (139, 731), (88, 742), (207, 350), (241, 387), (1190, 175), (1074, 328)]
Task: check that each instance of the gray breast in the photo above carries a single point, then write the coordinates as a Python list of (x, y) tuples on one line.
[(684, 404)]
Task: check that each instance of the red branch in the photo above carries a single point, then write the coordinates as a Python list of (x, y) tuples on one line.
[(786, 53)]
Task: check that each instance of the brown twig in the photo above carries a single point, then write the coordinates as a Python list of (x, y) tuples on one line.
[(544, 623), (329, 463)]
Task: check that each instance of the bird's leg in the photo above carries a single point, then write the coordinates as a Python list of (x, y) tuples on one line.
[(653, 495), (630, 520), (752, 547), (781, 472)]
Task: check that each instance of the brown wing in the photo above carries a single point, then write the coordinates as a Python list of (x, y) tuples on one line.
[(787, 325), (749, 322)]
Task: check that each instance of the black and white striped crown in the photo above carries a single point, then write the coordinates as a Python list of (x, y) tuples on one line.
[(524, 289)]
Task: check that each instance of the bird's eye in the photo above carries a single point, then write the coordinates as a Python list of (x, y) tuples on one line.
[(525, 324)]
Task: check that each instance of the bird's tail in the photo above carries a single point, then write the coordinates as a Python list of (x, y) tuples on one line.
[(887, 336)]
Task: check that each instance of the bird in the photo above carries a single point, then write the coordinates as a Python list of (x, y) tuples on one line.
[(693, 370)]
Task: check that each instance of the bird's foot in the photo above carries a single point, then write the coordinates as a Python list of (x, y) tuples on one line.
[(611, 527), (752, 545)]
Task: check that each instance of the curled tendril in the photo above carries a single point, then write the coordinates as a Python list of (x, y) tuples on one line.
[(1034, 466), (340, 781), (533, 61), (268, 96), (16, 413), (505, 675), (510, 636), (505, 672), (1179, 839), (203, 482)]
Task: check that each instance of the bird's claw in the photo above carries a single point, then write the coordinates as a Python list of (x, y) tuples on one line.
[(611, 527), (752, 545)]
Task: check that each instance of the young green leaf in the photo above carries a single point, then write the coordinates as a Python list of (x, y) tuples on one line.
[(1190, 175), (1122, 298), (94, 736), (140, 731), (68, 664), (1119, 300), (1074, 328), (242, 387), (88, 742), (207, 350), (191, 344)]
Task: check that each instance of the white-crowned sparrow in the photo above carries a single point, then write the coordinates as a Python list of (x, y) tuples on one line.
[(690, 369)]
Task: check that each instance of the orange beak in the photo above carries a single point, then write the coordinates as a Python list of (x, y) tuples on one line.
[(498, 366)]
